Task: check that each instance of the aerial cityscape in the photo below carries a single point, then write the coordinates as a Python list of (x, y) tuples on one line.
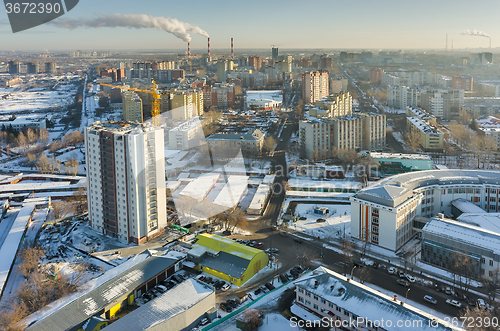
[(219, 166)]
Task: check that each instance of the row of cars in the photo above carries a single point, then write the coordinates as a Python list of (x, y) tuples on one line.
[(404, 278), (251, 243), (216, 283), (164, 286)]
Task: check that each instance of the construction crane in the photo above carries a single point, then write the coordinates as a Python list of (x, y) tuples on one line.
[(155, 109)]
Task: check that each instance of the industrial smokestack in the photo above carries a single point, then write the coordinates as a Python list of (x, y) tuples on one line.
[(189, 50), (209, 58), (232, 49)]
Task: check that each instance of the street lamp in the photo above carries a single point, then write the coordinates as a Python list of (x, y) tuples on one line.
[(352, 271), (407, 294)]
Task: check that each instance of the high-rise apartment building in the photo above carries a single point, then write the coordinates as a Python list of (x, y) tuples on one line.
[(221, 96), (132, 107), (33, 67), (50, 68), (14, 67), (314, 86), (222, 68), (126, 180), (338, 104), (376, 75), (255, 62), (186, 104)]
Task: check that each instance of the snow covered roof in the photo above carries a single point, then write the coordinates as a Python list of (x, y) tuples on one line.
[(89, 304), (488, 122), (466, 206), (232, 192), (260, 197), (176, 301), (200, 187), (271, 95), (324, 184), (487, 221), (365, 302), (391, 196), (465, 233), (376, 155)]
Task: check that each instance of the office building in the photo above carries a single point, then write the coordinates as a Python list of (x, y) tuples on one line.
[(126, 180), (385, 212), (132, 107), (274, 52), (314, 86)]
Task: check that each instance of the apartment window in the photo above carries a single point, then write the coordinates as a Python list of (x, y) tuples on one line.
[(301, 290), (330, 304), (301, 299), (323, 301), (308, 303), (338, 309), (491, 263), (308, 294), (490, 273), (483, 260), (315, 298), (346, 313), (316, 307)]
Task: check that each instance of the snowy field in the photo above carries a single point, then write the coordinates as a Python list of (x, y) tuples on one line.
[(338, 219), (35, 100)]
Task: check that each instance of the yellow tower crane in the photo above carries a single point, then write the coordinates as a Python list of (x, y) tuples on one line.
[(155, 109)]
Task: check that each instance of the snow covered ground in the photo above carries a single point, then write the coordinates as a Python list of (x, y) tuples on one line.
[(337, 221)]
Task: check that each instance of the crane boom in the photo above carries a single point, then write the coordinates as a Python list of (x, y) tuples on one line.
[(155, 107)]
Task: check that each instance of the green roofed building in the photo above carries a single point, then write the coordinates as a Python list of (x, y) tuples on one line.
[(226, 259)]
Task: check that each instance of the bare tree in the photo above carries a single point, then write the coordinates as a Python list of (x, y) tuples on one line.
[(252, 318), (61, 209), (413, 140), (31, 136), (44, 136), (480, 319), (364, 275), (30, 257), (492, 285), (72, 166), (43, 164), (347, 253), (269, 144), (80, 200), (22, 141)]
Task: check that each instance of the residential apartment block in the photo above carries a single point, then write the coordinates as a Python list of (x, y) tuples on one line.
[(431, 138), (132, 107), (186, 104), (126, 180), (339, 104), (465, 83), (314, 86), (319, 138)]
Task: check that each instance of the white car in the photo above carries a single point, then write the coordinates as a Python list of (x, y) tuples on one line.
[(430, 299), (225, 287), (410, 278), (391, 270), (454, 303), (481, 303)]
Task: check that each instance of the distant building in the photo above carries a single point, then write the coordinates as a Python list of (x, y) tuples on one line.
[(314, 86), (222, 69), (264, 100), (481, 106), (226, 259), (126, 180), (132, 107), (338, 85), (465, 83), (274, 54), (255, 62), (33, 67), (25, 122), (222, 95), (490, 126), (392, 163), (186, 104), (50, 68), (327, 298), (186, 135), (319, 138), (376, 75), (14, 67), (249, 143), (338, 104)]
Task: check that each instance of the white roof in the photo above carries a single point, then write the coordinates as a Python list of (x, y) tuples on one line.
[(232, 192), (376, 155), (200, 187), (423, 126), (466, 233), (324, 184), (271, 95), (487, 221), (260, 197)]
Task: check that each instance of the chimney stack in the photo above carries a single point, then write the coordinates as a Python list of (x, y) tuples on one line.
[(189, 50), (209, 58), (232, 49)]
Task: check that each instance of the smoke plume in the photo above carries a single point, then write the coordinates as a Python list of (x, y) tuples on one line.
[(168, 24), (476, 33)]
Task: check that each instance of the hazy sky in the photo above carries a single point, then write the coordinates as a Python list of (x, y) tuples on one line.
[(288, 24)]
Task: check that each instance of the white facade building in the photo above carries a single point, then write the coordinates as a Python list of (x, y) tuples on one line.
[(383, 213), (126, 180), (186, 135)]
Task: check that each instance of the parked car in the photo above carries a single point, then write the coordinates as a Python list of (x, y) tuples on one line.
[(258, 245), (269, 286), (218, 284), (207, 280), (410, 278), (481, 303), (239, 241), (454, 303), (232, 303), (225, 287), (438, 287), (257, 291), (283, 278), (401, 274), (320, 220), (430, 299), (447, 290), (245, 242), (403, 282), (252, 243), (204, 321), (297, 239), (200, 277), (264, 289), (222, 306), (302, 218), (162, 289), (272, 250), (283, 233), (471, 301), (392, 270)]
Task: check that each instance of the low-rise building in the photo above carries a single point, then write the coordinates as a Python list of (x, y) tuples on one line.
[(264, 100), (187, 135), (431, 138), (327, 298), (249, 143), (392, 163), (21, 123), (226, 259)]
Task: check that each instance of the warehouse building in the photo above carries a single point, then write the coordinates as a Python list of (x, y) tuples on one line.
[(226, 259)]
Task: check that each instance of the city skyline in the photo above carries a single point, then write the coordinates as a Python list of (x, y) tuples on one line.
[(385, 24)]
